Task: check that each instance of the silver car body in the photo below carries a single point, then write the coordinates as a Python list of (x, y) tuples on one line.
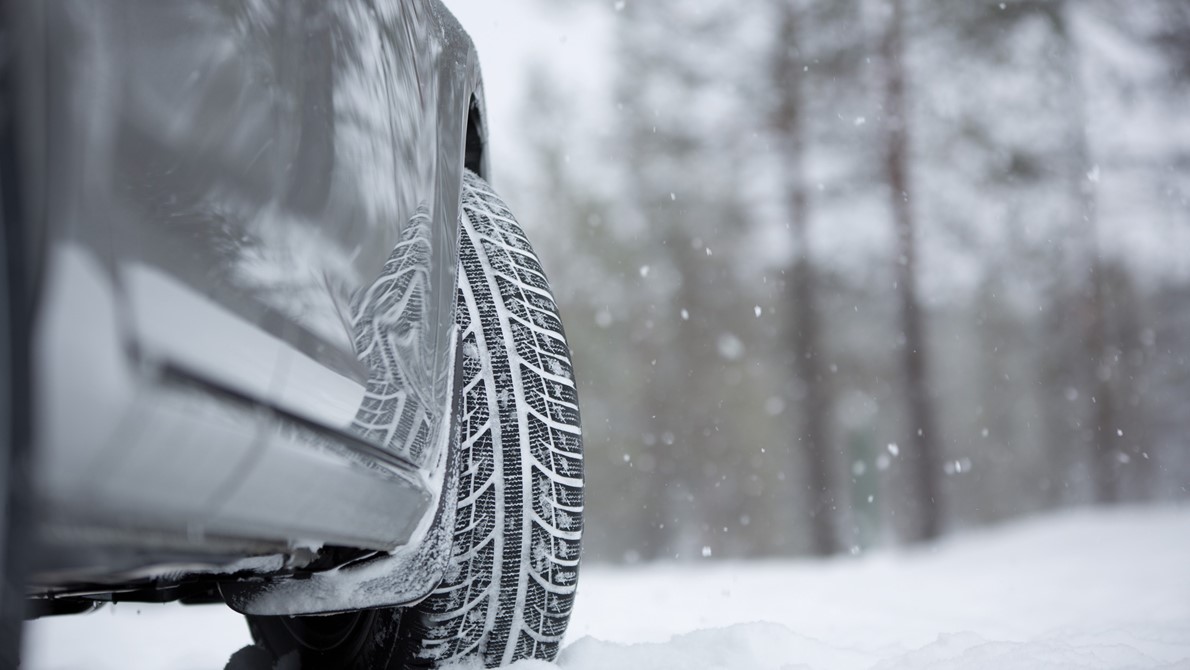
[(230, 359)]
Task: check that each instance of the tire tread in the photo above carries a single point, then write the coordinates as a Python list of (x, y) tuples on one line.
[(510, 587)]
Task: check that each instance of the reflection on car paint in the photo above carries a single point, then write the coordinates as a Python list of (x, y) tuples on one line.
[(269, 155), (388, 320), (263, 160)]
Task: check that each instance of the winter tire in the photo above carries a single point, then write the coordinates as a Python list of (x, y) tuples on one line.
[(509, 587)]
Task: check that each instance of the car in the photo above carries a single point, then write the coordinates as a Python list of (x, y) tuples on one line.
[(272, 340)]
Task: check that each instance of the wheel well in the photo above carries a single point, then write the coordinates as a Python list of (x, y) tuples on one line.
[(475, 153)]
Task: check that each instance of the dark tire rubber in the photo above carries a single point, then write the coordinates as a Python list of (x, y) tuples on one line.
[(510, 584)]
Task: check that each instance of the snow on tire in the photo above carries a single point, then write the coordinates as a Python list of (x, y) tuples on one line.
[(508, 592)]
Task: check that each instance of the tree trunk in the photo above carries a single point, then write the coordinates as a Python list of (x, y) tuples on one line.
[(809, 382), (1100, 363), (923, 456), (1103, 368)]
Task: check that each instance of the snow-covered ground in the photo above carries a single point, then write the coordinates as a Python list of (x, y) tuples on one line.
[(1082, 590)]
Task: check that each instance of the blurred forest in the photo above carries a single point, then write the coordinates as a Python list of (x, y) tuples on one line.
[(849, 273)]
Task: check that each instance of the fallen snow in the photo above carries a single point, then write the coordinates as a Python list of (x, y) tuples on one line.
[(1087, 590)]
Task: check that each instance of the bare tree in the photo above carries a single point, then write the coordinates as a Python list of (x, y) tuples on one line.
[(1100, 362), (804, 323), (923, 455)]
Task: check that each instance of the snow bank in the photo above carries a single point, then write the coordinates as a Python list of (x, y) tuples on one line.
[(765, 646), (1106, 589), (1085, 590)]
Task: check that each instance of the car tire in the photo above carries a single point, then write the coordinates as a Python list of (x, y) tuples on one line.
[(510, 582), (510, 586)]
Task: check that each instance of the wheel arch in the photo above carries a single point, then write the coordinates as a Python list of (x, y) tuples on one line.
[(475, 151)]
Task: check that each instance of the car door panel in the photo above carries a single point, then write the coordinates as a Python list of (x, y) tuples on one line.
[(263, 160), (266, 228)]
